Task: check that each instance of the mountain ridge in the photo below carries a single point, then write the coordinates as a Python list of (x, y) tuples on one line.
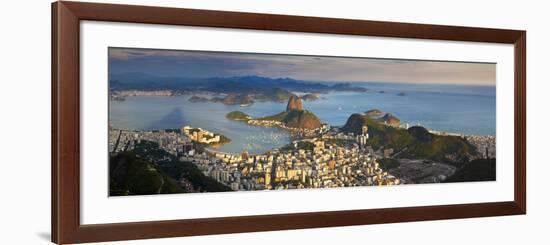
[(235, 84)]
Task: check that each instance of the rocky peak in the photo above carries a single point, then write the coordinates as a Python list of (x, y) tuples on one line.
[(294, 103), (390, 119)]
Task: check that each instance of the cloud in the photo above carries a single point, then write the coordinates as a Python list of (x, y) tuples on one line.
[(317, 68)]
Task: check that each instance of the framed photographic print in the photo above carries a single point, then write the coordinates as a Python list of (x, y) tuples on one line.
[(177, 122)]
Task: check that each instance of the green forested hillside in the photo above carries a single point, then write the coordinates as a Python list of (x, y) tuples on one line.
[(416, 142), (130, 175), (150, 170)]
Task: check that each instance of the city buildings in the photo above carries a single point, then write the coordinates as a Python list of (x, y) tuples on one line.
[(346, 162), (200, 135)]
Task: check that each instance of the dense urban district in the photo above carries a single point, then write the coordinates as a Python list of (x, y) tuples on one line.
[(373, 148)]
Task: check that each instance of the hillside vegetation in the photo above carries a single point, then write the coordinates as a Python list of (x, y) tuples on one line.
[(416, 142), (238, 116), (293, 117), (296, 119), (130, 175), (148, 170)]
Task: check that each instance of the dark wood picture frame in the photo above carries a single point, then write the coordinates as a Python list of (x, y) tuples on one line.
[(65, 100)]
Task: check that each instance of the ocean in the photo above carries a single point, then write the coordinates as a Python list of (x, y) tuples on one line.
[(450, 108)]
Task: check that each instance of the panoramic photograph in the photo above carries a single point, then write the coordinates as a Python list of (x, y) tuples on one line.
[(202, 121)]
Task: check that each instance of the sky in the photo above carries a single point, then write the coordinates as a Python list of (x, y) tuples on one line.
[(176, 63)]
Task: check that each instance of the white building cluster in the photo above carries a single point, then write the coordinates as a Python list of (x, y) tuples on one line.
[(200, 135)]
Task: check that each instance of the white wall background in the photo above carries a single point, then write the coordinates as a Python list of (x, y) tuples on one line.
[(25, 122)]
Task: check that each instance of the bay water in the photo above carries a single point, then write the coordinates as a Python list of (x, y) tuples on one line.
[(449, 108)]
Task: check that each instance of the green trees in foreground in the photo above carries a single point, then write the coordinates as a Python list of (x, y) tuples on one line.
[(149, 170)]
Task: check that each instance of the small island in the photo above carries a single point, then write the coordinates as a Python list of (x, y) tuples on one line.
[(238, 116), (197, 99), (310, 97), (385, 118), (235, 99), (246, 99)]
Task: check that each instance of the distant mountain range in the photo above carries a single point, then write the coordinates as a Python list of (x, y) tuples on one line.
[(241, 84)]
